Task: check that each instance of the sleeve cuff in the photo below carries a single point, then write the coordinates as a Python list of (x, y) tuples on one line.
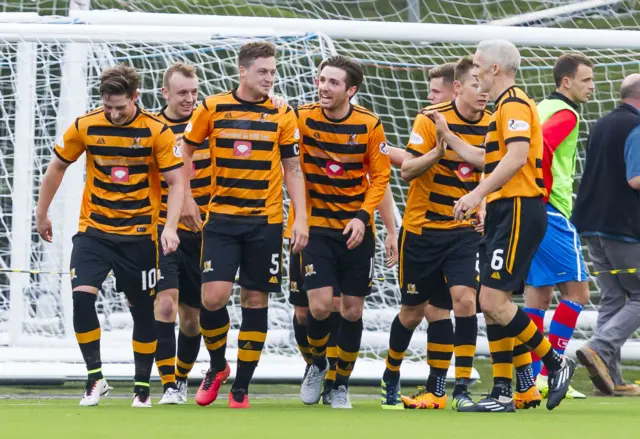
[(191, 142), (363, 216), (68, 162), (414, 152), (517, 139), (171, 168)]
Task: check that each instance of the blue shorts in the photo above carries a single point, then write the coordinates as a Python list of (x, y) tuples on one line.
[(559, 258)]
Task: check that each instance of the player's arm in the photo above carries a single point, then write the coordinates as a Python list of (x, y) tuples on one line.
[(65, 153), (632, 159), (294, 179), (517, 136), (387, 214), (469, 153), (168, 156), (195, 133), (379, 166), (396, 155), (554, 131), (421, 153)]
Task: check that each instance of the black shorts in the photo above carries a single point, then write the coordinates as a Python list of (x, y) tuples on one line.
[(254, 248), (297, 293), (514, 229), (327, 262), (134, 264), (181, 269), (433, 262)]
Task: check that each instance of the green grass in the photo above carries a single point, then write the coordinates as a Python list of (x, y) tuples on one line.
[(35, 411)]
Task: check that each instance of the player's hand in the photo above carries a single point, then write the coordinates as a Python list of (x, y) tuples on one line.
[(391, 249), (44, 228), (356, 227), (299, 234), (479, 222), (442, 128), (191, 214), (278, 101), (463, 208), (441, 147), (170, 240)]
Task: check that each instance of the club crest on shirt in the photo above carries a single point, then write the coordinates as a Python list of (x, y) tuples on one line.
[(136, 143), (353, 139)]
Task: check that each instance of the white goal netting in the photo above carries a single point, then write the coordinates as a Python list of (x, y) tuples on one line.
[(52, 79)]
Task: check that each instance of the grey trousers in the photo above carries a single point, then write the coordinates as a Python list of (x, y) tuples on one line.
[(619, 310)]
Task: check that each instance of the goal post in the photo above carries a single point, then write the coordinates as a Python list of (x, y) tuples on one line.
[(63, 74)]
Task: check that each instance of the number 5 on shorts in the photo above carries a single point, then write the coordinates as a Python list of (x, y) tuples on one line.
[(275, 261)]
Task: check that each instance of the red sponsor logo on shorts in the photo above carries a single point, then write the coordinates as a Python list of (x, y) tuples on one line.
[(334, 169), (242, 148), (119, 174)]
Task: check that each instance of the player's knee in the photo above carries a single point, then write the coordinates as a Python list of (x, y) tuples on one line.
[(576, 292), (189, 321), (321, 302), (433, 313), (212, 301), (465, 304), (538, 298), (351, 307), (166, 307), (253, 299), (411, 316), (301, 314)]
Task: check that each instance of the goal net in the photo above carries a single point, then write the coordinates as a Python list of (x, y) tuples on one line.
[(53, 73)]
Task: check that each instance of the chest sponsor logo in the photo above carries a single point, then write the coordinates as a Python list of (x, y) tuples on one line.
[(242, 148), (334, 169), (119, 174)]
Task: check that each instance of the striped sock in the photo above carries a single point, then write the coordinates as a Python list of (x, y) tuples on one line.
[(465, 338), (166, 354), (300, 334), (522, 363), (87, 328), (439, 353), (253, 334), (562, 326), (318, 336), (144, 341), (501, 348), (526, 331), (332, 350), (537, 316), (399, 339), (349, 339), (214, 326), (188, 349)]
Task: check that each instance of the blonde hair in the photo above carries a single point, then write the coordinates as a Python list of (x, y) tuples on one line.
[(186, 70), (501, 52)]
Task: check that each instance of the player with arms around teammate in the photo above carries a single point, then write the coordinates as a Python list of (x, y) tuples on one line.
[(346, 169), (438, 254), (250, 140), (515, 223), (126, 147), (179, 281), (559, 259)]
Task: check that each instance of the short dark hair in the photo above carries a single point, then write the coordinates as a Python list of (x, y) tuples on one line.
[(567, 66), (119, 80), (186, 70), (249, 52), (444, 71), (462, 67), (352, 67)]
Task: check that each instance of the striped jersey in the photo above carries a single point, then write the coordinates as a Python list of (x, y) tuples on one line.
[(346, 166), (432, 195), (200, 175), (247, 141), (120, 198), (515, 119)]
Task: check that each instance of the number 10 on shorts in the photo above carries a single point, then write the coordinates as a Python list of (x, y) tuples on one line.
[(149, 279)]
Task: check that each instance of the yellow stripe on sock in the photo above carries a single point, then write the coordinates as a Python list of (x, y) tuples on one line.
[(465, 350), (214, 332), (248, 355), (522, 360), (528, 333), (502, 370), (318, 343), (332, 352), (502, 345), (259, 337), (395, 354), (437, 347), (88, 337), (166, 379), (543, 348), (215, 345), (439, 364), (168, 362), (144, 348), (331, 375), (347, 356), (463, 372), (391, 367), (184, 365)]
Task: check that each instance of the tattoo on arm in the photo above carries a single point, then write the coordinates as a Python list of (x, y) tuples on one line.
[(293, 165)]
